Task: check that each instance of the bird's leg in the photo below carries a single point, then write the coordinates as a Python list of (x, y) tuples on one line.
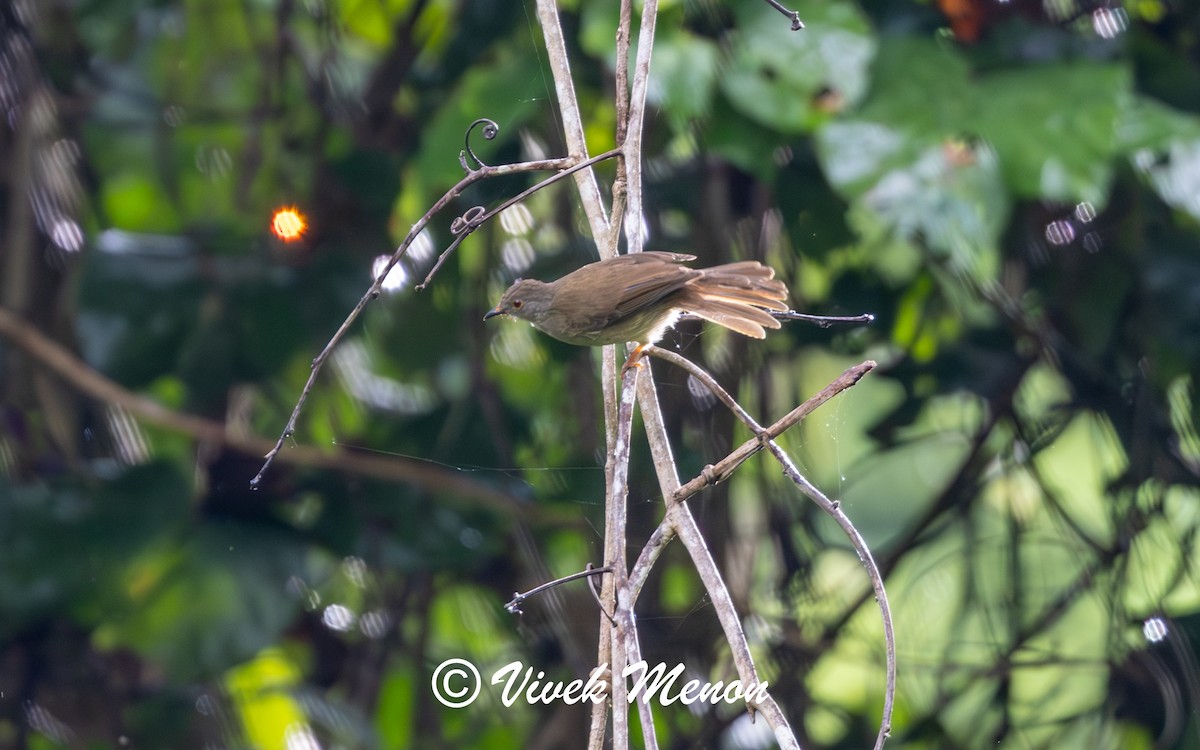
[(635, 358)]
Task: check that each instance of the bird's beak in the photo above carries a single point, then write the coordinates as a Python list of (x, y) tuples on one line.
[(493, 313)]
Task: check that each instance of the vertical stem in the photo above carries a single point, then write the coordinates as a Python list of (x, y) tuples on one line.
[(656, 434), (632, 145), (608, 369), (620, 182), (622, 71), (605, 239), (614, 556), (568, 106)]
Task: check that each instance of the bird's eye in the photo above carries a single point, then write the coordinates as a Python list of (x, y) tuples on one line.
[(517, 304)]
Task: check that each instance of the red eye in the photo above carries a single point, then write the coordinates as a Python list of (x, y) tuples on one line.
[(517, 304)]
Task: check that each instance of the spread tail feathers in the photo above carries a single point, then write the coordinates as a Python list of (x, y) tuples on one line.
[(737, 296)]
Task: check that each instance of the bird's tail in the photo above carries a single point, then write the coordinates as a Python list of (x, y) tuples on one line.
[(737, 296)]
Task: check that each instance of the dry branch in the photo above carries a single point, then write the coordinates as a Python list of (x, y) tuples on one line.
[(452, 484)]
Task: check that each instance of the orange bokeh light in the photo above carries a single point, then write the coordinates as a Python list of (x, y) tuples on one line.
[(288, 224)]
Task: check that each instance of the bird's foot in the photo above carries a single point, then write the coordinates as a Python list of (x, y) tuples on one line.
[(635, 358)]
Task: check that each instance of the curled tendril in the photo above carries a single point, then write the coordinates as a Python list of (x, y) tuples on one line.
[(469, 220), (490, 129)]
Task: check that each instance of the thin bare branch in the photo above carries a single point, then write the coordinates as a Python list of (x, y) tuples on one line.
[(797, 24), (453, 485), (823, 321), (663, 535), (620, 641), (684, 524), (599, 604), (633, 655), (689, 534), (514, 605), (720, 471), (477, 216), (834, 509), (373, 291), (605, 235), (679, 521)]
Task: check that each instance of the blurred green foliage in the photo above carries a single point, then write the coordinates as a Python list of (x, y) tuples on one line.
[(1014, 191)]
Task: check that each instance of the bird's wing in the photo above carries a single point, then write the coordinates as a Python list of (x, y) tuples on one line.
[(652, 256), (657, 281)]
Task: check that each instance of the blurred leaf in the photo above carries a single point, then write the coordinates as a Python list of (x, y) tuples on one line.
[(1150, 124), (1164, 147), (372, 20), (1046, 150), (951, 198), (922, 97), (922, 86), (775, 75), (103, 526), (741, 141), (397, 696), (261, 692), (683, 77), (137, 204), (484, 92), (209, 599)]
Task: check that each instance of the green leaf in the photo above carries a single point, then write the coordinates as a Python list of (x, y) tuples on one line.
[(66, 546), (1149, 124), (134, 202), (372, 20), (1054, 128), (1164, 145), (958, 208), (920, 98), (921, 86), (855, 153), (950, 196), (741, 141), (912, 172), (683, 77), (486, 91), (774, 74), (209, 600)]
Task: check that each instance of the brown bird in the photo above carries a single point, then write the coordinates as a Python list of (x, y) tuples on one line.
[(638, 297)]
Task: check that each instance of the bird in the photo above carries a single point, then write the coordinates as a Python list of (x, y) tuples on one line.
[(638, 297)]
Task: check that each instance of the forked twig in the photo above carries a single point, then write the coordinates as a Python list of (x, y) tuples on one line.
[(678, 521), (721, 470), (765, 438)]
